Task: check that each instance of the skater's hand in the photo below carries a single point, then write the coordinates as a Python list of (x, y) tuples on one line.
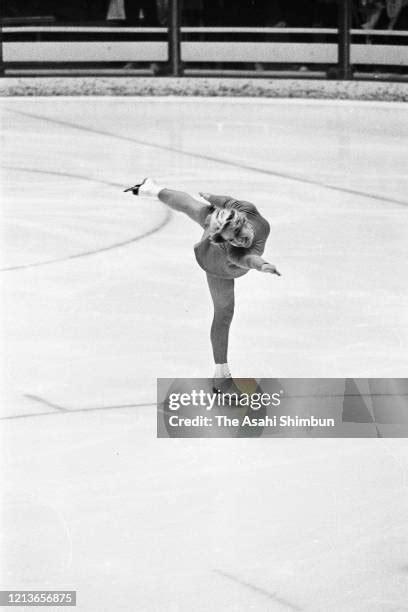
[(206, 196), (267, 267)]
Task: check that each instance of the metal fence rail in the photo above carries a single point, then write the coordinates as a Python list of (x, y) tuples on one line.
[(181, 50)]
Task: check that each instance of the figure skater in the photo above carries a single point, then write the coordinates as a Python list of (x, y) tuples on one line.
[(233, 241)]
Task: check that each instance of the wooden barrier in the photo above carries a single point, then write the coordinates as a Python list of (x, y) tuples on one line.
[(37, 46)]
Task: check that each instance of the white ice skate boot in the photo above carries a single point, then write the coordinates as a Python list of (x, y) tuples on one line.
[(147, 188)]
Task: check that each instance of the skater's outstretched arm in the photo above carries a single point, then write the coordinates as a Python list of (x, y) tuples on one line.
[(251, 261)]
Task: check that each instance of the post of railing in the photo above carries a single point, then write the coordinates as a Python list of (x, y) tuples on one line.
[(344, 40), (174, 37)]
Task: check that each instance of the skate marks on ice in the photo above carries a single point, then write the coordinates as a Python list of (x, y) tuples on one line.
[(58, 409), (273, 596), (45, 402), (167, 214), (211, 158)]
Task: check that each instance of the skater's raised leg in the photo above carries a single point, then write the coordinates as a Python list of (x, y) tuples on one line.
[(183, 202), (177, 200)]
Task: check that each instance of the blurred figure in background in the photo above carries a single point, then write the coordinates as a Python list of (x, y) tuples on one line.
[(116, 11), (383, 14), (162, 7), (397, 13), (371, 13)]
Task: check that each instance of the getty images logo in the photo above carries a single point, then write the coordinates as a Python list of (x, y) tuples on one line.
[(208, 400)]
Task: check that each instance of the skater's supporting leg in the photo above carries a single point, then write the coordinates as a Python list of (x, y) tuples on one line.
[(222, 293), (183, 202)]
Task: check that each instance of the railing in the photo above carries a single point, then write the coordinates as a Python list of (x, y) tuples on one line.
[(185, 50)]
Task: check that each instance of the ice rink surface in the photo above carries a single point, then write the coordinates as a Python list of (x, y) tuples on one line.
[(101, 295)]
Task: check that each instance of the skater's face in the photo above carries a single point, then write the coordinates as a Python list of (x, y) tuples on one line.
[(232, 227), (243, 238)]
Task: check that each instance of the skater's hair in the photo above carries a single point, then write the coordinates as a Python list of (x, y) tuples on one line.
[(224, 219)]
